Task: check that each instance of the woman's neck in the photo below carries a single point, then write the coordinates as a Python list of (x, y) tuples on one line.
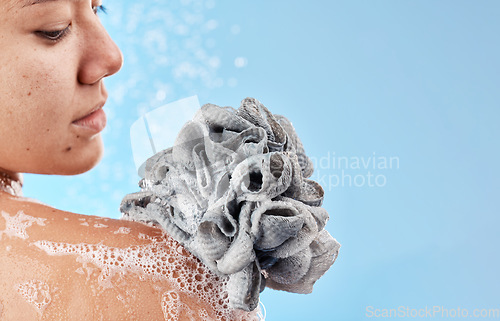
[(11, 183)]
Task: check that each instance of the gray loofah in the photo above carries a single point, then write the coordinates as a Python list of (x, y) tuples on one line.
[(234, 191)]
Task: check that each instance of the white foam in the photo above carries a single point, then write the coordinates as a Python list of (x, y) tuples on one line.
[(15, 226), (170, 305), (35, 292), (203, 314), (163, 260), (122, 230), (172, 308), (99, 225)]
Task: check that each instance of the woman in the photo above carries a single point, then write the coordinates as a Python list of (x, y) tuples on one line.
[(56, 265)]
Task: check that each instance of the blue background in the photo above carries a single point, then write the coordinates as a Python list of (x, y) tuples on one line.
[(414, 80)]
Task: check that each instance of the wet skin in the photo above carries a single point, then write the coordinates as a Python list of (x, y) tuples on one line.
[(91, 268)]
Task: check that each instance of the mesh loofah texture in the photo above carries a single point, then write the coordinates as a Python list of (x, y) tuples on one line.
[(234, 191)]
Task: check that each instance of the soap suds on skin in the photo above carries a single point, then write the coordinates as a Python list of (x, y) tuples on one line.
[(164, 260), (15, 226), (170, 305), (36, 293), (122, 230), (99, 225)]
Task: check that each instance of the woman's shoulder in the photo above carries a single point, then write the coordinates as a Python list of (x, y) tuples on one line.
[(24, 219), (54, 264)]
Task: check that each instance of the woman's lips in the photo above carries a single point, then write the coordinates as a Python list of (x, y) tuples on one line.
[(94, 122)]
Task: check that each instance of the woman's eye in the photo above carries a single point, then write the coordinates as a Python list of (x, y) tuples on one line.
[(98, 9), (53, 35)]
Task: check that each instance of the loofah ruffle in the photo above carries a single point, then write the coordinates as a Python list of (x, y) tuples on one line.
[(234, 191)]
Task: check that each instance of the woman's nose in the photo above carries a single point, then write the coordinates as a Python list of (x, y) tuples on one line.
[(101, 56)]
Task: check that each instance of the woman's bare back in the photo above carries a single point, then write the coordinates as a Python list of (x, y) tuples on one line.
[(56, 265)]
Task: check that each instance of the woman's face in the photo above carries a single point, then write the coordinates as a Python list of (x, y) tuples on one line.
[(54, 55)]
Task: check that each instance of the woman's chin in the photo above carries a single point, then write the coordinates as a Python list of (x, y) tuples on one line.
[(84, 166), (76, 161)]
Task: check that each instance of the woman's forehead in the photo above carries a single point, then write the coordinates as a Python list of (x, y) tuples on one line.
[(33, 2), (27, 3), (17, 4)]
